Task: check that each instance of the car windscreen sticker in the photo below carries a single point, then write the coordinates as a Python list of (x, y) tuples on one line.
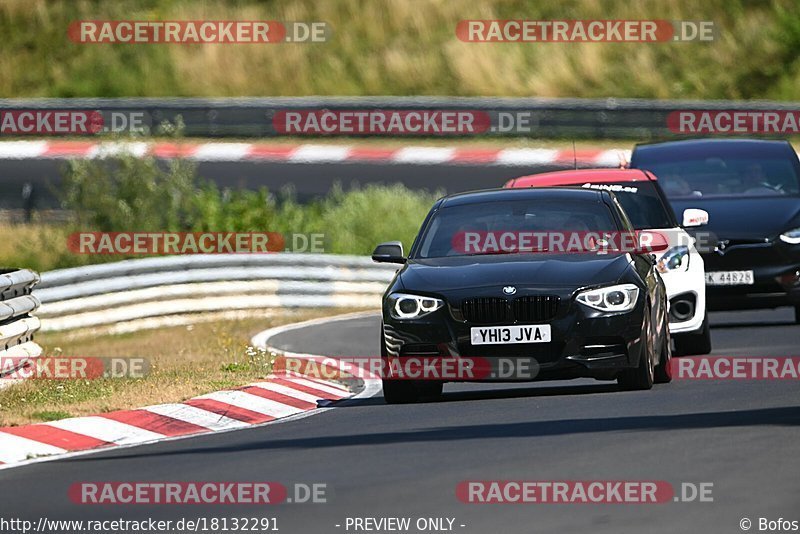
[(616, 188)]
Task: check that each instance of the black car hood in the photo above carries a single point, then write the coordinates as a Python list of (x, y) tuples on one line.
[(463, 272), (749, 218)]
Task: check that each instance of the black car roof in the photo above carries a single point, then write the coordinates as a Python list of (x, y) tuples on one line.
[(494, 195), (690, 148)]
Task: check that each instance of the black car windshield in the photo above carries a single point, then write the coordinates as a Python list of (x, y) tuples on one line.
[(641, 202), (728, 176), (441, 236)]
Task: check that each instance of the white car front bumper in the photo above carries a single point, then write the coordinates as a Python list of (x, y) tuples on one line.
[(689, 285)]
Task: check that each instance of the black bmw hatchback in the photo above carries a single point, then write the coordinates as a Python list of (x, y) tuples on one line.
[(563, 313)]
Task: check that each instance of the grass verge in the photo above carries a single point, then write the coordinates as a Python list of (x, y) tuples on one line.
[(184, 361), (398, 47)]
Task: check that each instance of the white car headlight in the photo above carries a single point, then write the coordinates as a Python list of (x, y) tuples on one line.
[(792, 237), (675, 259), (405, 306), (619, 298)]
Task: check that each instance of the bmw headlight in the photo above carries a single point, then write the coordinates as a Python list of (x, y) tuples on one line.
[(405, 306), (792, 237), (676, 258), (619, 298)]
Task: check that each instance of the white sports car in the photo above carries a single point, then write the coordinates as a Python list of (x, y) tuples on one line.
[(681, 266)]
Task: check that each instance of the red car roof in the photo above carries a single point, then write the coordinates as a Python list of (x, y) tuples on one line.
[(580, 177)]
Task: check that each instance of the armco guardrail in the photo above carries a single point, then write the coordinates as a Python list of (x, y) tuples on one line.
[(143, 288), (607, 118), (17, 324)]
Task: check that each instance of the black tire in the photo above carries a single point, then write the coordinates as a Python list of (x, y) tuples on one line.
[(643, 376), (797, 315), (663, 371), (694, 344)]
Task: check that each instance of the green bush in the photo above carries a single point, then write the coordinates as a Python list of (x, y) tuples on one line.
[(127, 193), (132, 194), (356, 221)]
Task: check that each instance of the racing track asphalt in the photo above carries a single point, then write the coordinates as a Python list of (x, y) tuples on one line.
[(308, 179), (405, 460)]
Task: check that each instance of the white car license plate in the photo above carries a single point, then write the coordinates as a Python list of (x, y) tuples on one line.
[(729, 278), (505, 335)]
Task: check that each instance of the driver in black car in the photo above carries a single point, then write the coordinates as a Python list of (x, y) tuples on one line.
[(675, 185), (754, 181)]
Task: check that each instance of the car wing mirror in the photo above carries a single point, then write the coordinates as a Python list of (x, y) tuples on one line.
[(389, 252), (649, 242), (694, 217)]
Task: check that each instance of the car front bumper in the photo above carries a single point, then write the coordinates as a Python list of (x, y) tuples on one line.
[(584, 343), (686, 290), (776, 276)]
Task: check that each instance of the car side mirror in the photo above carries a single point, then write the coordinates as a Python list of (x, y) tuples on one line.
[(651, 242), (694, 217), (389, 252)]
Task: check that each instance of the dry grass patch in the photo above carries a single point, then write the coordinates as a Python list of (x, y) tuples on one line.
[(185, 362), (402, 47)]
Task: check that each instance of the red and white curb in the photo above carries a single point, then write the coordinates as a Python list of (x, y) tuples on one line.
[(372, 383), (283, 397), (311, 153)]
